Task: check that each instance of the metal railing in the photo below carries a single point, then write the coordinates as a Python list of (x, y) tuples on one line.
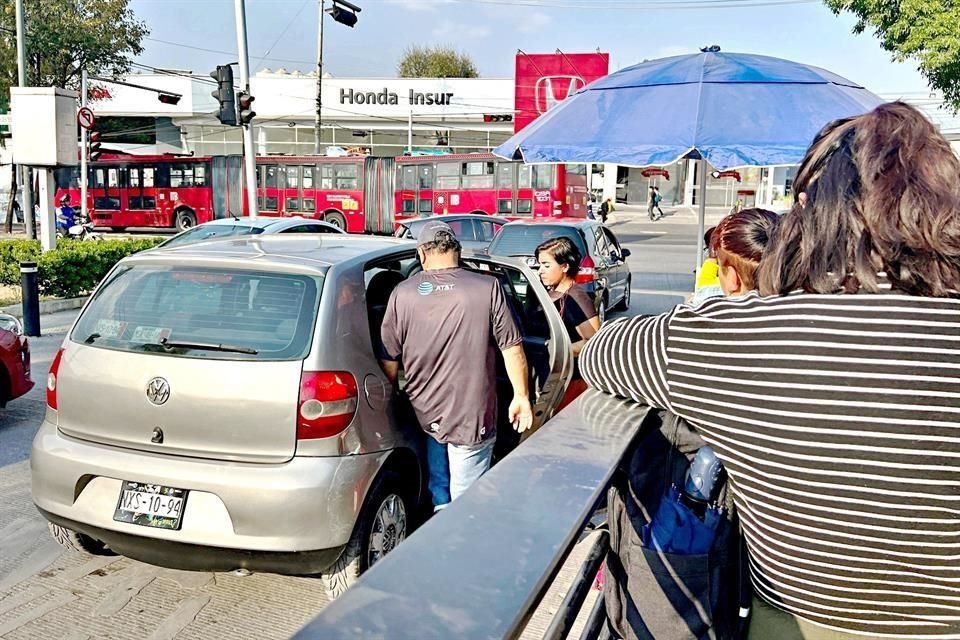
[(481, 567)]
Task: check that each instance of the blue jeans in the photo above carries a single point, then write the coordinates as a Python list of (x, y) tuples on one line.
[(453, 468)]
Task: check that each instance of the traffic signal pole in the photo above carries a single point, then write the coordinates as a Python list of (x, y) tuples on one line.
[(83, 147), (249, 152)]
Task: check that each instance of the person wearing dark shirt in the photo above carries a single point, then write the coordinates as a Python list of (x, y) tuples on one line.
[(445, 326), (559, 261)]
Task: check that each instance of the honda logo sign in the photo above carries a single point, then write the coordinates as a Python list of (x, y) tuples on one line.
[(552, 90)]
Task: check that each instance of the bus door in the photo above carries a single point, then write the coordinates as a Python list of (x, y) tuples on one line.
[(106, 194), (524, 192), (289, 186), (142, 195), (405, 205), (225, 181), (308, 190), (379, 185), (506, 189), (536, 194), (270, 176)]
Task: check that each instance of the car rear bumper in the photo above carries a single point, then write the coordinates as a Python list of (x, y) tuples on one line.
[(303, 505)]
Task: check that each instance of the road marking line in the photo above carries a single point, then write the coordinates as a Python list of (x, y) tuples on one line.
[(179, 619), (37, 612)]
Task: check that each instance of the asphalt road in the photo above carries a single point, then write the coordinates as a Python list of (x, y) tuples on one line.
[(45, 593)]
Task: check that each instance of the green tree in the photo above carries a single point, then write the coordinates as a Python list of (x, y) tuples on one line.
[(927, 31), (63, 36), (436, 62)]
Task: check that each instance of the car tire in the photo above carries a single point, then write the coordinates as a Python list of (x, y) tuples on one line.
[(186, 219), (624, 303), (602, 310), (78, 542), (384, 522), (336, 219), (118, 229)]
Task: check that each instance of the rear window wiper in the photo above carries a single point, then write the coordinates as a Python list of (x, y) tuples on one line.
[(169, 345)]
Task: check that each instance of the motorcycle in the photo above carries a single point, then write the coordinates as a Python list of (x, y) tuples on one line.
[(83, 229)]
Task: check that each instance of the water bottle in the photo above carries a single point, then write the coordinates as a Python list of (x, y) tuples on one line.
[(703, 481)]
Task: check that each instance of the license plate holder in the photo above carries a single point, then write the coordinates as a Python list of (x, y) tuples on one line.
[(151, 505)]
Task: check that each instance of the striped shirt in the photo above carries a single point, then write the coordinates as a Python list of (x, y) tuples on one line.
[(838, 420)]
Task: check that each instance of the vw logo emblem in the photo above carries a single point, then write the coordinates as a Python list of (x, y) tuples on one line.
[(158, 391)]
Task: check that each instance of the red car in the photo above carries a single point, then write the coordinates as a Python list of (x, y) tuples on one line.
[(14, 360)]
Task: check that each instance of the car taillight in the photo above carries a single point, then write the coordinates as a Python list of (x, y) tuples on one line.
[(588, 271), (327, 404), (52, 380)]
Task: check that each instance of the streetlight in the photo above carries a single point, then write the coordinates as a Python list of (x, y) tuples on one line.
[(343, 12)]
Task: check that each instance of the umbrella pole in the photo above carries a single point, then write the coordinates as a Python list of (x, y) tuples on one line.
[(702, 216)]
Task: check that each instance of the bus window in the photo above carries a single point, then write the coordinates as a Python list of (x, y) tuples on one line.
[(200, 175), (308, 177), (270, 181), (408, 177), (293, 204), (113, 177), (148, 176), (505, 176), (525, 181), (293, 177), (326, 176), (543, 176), (448, 175), (425, 176), (478, 175), (67, 177), (98, 178), (163, 176), (345, 176), (188, 175), (135, 177)]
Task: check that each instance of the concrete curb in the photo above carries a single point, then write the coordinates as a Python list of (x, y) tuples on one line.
[(47, 306)]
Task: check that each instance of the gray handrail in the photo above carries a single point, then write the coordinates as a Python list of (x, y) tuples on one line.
[(479, 568)]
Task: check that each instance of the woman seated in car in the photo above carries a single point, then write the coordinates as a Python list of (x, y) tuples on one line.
[(559, 261)]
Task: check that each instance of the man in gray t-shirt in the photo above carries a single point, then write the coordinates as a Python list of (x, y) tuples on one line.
[(445, 325)]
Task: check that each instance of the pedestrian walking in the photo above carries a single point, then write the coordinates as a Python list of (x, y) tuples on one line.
[(444, 327), (605, 208), (652, 203), (656, 201)]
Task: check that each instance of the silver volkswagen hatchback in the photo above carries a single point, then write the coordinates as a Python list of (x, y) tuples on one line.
[(220, 406)]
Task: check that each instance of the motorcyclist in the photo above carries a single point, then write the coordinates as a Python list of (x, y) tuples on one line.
[(65, 215)]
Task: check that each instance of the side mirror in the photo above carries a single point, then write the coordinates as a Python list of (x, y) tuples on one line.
[(625, 253)]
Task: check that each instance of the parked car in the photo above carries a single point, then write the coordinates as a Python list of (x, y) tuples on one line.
[(220, 406), (233, 227), (474, 231), (604, 271), (15, 378)]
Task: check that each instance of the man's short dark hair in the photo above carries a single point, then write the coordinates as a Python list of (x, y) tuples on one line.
[(443, 242)]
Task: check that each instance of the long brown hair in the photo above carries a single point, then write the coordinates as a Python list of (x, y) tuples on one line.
[(741, 240), (882, 195)]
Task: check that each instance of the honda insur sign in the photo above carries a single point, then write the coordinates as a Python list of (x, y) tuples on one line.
[(545, 80)]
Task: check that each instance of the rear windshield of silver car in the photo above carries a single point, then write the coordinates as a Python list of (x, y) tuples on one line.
[(211, 231), (523, 239), (224, 314)]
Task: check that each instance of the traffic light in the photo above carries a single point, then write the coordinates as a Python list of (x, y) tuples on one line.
[(245, 110), (227, 113), (499, 117), (343, 16), (93, 146), (169, 98)]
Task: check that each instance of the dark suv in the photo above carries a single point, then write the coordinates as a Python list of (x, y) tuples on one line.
[(604, 270)]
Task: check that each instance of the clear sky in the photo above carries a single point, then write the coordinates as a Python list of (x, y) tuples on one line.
[(283, 33)]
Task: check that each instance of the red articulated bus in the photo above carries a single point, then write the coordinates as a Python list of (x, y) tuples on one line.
[(362, 194)]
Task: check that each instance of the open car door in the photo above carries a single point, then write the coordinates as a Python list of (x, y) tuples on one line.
[(545, 339)]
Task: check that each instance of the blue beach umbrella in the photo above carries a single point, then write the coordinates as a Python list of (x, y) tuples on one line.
[(728, 109)]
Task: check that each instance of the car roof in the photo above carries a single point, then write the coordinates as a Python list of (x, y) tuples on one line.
[(299, 252), (263, 223), (564, 222), (454, 216)]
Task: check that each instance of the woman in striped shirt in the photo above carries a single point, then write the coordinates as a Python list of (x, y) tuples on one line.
[(833, 399)]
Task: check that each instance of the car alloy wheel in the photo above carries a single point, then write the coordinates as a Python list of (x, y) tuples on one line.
[(389, 528)]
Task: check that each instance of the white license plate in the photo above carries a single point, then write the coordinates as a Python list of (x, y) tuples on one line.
[(150, 505)]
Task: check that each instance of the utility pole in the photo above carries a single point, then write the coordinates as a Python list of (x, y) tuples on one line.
[(83, 148), (318, 121), (249, 152), (25, 179)]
